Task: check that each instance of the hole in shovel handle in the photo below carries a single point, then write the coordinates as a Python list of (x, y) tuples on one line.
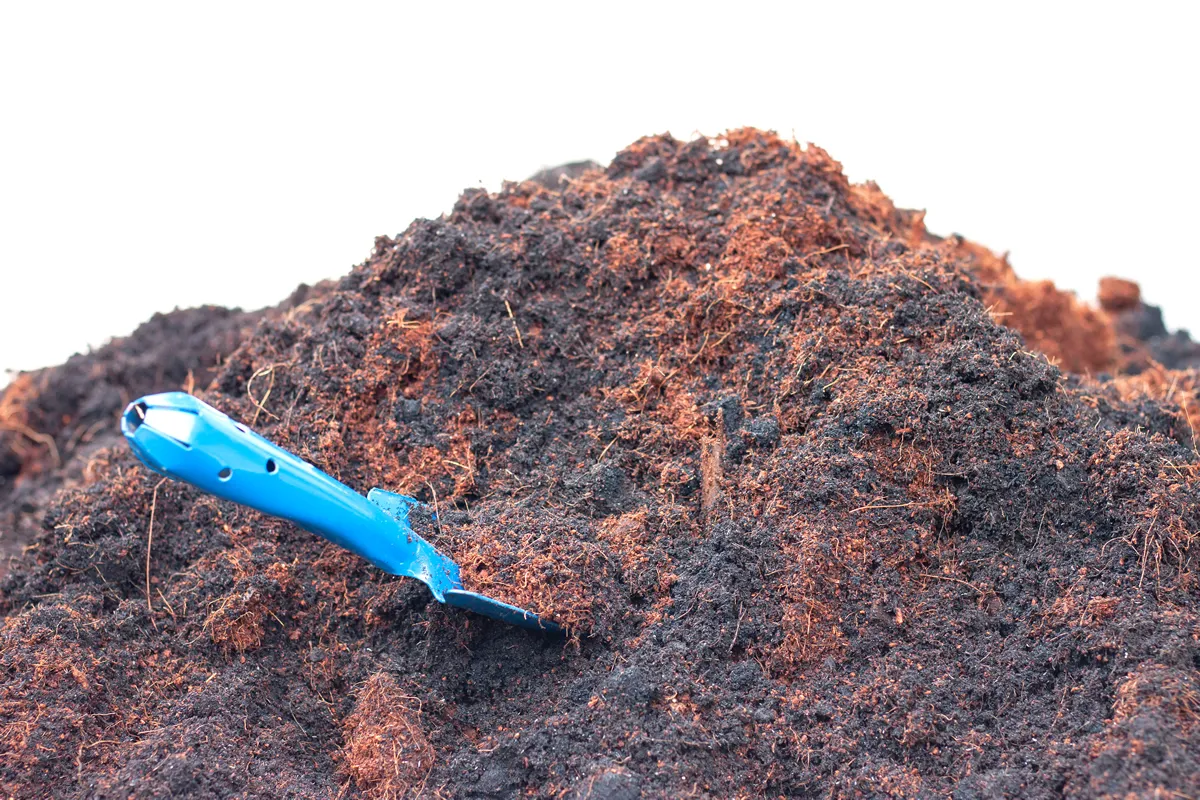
[(135, 416)]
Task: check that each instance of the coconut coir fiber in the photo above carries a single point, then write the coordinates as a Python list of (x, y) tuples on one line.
[(822, 522)]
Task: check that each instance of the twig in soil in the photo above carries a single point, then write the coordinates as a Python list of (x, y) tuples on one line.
[(994, 314), (918, 280), (971, 586), (150, 543), (1146, 546), (437, 515), (400, 320), (520, 341), (1171, 391), (807, 256), (822, 375), (832, 382), (604, 452), (166, 603), (471, 388), (890, 505), (737, 628), (482, 375), (259, 405), (298, 725)]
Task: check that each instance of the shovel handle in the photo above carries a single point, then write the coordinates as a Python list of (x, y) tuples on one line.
[(183, 438)]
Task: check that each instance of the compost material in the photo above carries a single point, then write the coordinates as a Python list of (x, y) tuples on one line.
[(54, 422), (831, 507)]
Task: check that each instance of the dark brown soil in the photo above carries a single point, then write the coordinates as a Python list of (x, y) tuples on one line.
[(820, 521), (54, 422)]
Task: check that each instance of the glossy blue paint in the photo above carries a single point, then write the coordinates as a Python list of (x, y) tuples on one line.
[(183, 438)]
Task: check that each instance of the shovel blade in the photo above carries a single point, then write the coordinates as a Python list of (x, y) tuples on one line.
[(444, 580), (498, 610)]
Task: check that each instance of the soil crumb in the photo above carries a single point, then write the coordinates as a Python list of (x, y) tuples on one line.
[(831, 507)]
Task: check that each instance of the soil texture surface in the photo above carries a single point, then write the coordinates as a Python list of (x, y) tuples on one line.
[(830, 506)]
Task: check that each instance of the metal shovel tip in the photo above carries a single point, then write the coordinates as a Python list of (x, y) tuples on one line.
[(504, 612), (443, 574)]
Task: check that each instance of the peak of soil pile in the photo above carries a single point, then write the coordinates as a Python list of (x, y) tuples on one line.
[(819, 523)]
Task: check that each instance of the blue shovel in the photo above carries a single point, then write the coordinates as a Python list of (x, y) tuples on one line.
[(181, 437)]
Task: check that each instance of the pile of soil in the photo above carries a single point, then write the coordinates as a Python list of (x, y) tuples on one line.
[(819, 520), (54, 421)]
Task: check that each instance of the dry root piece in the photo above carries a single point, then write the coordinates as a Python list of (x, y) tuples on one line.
[(386, 752)]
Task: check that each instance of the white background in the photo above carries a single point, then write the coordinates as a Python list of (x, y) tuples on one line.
[(161, 154)]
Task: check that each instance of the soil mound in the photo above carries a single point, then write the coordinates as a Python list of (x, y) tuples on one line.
[(820, 521), (54, 421)]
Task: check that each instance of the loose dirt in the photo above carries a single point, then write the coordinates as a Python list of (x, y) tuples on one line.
[(831, 507)]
